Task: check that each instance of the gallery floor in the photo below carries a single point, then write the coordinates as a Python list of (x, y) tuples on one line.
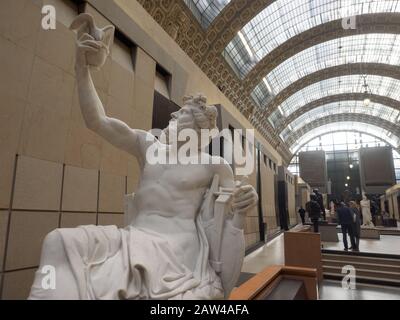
[(387, 244), (272, 253)]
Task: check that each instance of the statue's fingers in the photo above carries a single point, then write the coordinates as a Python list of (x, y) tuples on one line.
[(87, 48), (92, 43), (243, 204), (245, 208), (85, 36), (245, 196), (242, 189)]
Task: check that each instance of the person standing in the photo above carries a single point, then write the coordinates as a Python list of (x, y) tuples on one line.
[(356, 224), (302, 214), (345, 219), (314, 211)]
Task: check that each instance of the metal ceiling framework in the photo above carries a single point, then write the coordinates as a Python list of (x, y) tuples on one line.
[(354, 118), (282, 39), (338, 98), (319, 84), (349, 107)]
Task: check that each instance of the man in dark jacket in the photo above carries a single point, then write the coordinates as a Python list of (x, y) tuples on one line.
[(314, 211), (345, 219)]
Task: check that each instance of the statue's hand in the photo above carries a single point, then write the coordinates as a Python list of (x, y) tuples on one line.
[(244, 198), (93, 43), (90, 52)]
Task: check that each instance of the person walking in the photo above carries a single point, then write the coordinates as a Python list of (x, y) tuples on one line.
[(356, 224), (302, 214), (345, 219)]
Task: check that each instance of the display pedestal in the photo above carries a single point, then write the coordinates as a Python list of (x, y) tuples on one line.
[(370, 233), (303, 249), (328, 232)]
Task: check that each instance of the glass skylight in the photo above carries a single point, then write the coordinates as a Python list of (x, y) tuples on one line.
[(373, 130), (365, 48), (285, 19), (383, 86), (373, 109), (206, 11)]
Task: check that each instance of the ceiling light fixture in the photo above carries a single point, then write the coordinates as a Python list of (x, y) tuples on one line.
[(367, 91)]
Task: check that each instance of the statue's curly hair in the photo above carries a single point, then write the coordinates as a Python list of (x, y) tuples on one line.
[(205, 116)]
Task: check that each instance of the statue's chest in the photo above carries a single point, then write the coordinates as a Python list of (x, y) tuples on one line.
[(179, 176)]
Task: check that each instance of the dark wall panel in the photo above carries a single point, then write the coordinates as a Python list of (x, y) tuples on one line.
[(312, 166), (376, 169)]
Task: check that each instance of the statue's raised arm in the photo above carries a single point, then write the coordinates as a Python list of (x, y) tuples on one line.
[(93, 47)]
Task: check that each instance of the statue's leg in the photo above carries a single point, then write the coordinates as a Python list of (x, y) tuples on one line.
[(54, 255)]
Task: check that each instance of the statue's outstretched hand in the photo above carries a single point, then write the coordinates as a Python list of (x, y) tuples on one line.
[(88, 47), (94, 43)]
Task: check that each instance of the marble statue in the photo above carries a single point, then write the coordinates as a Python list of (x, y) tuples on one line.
[(185, 235), (366, 212), (332, 209)]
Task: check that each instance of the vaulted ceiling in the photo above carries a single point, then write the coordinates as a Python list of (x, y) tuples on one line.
[(296, 69)]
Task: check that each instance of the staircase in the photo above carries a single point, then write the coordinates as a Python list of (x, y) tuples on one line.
[(380, 269)]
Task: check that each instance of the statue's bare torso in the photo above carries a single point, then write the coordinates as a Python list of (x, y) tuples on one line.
[(177, 192)]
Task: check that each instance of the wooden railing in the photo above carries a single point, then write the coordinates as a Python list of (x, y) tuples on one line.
[(264, 283)]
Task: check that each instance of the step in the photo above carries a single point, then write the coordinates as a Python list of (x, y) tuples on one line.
[(360, 258), (370, 280), (362, 265), (376, 274)]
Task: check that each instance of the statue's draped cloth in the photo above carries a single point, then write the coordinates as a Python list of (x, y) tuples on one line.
[(133, 263)]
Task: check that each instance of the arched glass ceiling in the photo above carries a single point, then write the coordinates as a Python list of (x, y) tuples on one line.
[(373, 130), (374, 109), (285, 19), (206, 11), (364, 48), (383, 86)]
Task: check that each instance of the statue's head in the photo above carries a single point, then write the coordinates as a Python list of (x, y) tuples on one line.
[(313, 197), (194, 114)]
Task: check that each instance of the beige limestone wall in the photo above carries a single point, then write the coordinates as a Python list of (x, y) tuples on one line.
[(55, 172), (252, 226), (293, 219), (268, 195)]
